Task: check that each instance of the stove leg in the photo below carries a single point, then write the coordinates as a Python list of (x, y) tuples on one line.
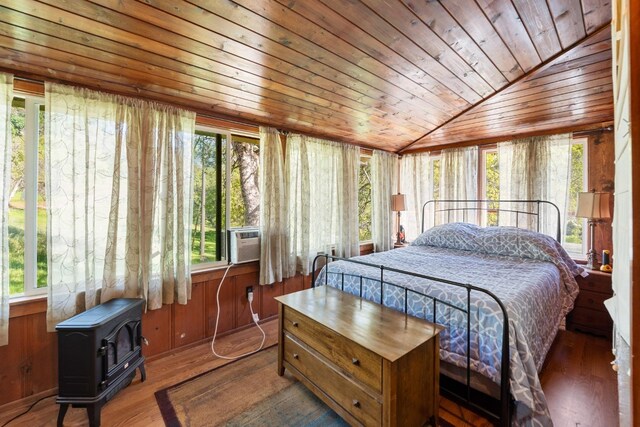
[(93, 412), (143, 373), (62, 412)]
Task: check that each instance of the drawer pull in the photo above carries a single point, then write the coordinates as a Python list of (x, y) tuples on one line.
[(355, 361), (356, 404), (295, 355), (295, 324)]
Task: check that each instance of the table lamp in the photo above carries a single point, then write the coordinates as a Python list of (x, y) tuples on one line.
[(398, 205), (593, 205)]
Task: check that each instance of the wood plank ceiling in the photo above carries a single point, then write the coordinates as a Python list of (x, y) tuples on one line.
[(389, 74)]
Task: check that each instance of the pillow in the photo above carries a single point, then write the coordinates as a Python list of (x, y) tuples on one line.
[(455, 235), (505, 241)]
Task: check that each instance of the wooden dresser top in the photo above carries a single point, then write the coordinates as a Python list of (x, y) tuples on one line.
[(385, 331)]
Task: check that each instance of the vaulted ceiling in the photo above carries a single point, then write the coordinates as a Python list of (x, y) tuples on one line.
[(399, 75)]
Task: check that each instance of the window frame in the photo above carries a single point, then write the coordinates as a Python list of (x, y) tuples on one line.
[(32, 124), (584, 141), (483, 151), (435, 156), (232, 133), (365, 157), (228, 134), (199, 267)]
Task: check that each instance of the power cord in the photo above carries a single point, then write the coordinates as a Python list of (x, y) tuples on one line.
[(254, 317), (30, 408)]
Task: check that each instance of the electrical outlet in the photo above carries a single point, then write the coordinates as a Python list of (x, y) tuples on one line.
[(248, 289)]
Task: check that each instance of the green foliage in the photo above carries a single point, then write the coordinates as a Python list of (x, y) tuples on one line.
[(492, 184), (573, 226), (16, 204), (16, 250), (435, 166), (364, 201)]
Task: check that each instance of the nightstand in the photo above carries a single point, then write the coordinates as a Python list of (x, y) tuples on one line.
[(400, 245), (589, 313)]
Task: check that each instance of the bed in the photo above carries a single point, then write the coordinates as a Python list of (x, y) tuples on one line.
[(469, 279)]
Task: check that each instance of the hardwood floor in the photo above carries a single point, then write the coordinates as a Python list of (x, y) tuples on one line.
[(578, 381)]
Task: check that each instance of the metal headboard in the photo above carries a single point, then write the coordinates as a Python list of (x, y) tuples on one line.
[(531, 209)]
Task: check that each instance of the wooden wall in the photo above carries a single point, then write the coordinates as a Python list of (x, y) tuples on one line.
[(30, 363)]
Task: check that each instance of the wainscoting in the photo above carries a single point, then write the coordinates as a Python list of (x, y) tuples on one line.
[(30, 361)]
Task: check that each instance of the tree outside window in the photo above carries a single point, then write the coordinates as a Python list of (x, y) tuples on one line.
[(364, 199), (211, 199)]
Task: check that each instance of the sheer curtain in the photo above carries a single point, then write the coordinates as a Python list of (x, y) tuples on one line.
[(416, 181), (384, 178), (119, 192), (322, 197), (274, 228), (6, 96), (537, 168), (459, 180)]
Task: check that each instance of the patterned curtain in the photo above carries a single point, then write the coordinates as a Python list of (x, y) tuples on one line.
[(322, 196), (119, 200), (537, 168), (6, 96), (274, 227), (459, 181), (416, 181), (384, 181)]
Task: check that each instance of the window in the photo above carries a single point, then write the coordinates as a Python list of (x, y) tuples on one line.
[(245, 189), (573, 228), (27, 201), (490, 174), (364, 199), (208, 171), (435, 177), (225, 191)]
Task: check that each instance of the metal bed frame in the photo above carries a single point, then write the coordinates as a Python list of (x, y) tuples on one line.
[(446, 207), (498, 411)]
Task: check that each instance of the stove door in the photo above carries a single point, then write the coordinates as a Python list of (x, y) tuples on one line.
[(122, 347)]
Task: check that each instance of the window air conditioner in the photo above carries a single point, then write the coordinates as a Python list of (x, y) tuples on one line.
[(244, 245)]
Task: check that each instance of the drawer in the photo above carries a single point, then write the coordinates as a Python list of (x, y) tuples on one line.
[(592, 300), (593, 319), (596, 282), (362, 364), (341, 390)]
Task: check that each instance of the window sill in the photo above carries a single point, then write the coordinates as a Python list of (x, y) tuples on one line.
[(27, 305)]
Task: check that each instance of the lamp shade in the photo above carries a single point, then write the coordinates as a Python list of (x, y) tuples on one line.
[(398, 202), (593, 205)]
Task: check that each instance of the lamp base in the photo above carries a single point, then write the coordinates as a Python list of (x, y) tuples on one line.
[(592, 260), (398, 238), (592, 256)]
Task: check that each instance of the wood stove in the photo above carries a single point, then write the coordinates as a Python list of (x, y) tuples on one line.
[(98, 353)]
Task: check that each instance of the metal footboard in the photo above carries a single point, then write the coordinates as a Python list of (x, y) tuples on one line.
[(497, 411)]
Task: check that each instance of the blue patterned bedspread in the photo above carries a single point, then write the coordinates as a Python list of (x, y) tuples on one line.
[(538, 294)]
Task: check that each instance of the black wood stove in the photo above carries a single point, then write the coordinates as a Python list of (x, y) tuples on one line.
[(98, 353)]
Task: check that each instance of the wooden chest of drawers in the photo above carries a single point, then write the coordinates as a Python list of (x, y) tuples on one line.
[(371, 364), (589, 313)]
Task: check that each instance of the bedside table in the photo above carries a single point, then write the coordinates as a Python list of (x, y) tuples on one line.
[(400, 245), (589, 313)]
